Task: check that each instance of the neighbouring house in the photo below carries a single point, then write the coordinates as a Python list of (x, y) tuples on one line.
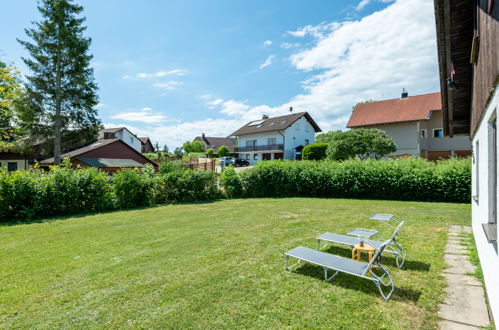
[(415, 123), (147, 146), (13, 161), (468, 56), (123, 134), (215, 142), (280, 137), (106, 154)]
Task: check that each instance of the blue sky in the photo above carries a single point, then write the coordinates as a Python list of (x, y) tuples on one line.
[(174, 69)]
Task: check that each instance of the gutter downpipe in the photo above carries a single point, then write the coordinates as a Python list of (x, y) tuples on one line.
[(283, 145)]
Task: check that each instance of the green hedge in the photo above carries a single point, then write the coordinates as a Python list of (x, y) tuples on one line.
[(61, 191), (402, 179), (316, 151)]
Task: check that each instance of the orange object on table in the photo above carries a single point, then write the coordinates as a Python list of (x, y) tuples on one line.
[(357, 249)]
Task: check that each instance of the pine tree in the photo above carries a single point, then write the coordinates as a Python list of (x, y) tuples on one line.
[(61, 91)]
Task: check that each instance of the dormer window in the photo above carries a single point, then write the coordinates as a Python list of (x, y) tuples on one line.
[(109, 135)]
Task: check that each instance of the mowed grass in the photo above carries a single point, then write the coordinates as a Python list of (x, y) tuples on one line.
[(217, 265)]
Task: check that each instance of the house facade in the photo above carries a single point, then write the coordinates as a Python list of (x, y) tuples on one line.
[(415, 123), (280, 137), (215, 142), (147, 146), (123, 134), (468, 56)]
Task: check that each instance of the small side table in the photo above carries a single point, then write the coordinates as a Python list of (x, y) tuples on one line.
[(357, 249)]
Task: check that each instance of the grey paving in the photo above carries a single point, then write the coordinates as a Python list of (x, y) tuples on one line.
[(464, 307)]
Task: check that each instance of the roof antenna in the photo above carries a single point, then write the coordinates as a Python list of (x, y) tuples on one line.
[(290, 109)]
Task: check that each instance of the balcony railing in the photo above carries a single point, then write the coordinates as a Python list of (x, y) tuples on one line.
[(265, 147)]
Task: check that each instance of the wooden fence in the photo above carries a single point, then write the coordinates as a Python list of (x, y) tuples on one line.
[(205, 164)]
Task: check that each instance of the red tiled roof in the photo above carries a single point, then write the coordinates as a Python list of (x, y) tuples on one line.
[(412, 108)]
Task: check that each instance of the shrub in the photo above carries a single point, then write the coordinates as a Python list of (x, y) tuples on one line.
[(231, 183), (316, 151), (135, 187), (186, 186), (33, 194), (401, 179), (223, 151)]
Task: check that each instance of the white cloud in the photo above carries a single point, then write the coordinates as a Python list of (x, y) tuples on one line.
[(145, 115), (267, 43), (316, 31), (363, 3), (267, 62), (125, 77), (350, 61), (206, 96), (288, 45), (169, 85), (176, 72), (99, 105)]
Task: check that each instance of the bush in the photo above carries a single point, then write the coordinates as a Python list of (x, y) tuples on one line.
[(135, 187), (401, 179), (316, 151), (34, 194), (186, 186), (231, 183)]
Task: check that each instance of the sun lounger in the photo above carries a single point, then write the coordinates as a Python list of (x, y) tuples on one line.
[(372, 271), (394, 247)]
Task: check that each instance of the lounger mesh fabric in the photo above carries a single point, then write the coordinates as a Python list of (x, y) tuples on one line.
[(329, 260)]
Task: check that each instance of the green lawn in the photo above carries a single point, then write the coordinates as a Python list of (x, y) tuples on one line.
[(217, 265)]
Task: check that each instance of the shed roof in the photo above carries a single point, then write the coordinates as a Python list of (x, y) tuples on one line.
[(110, 162), (412, 108)]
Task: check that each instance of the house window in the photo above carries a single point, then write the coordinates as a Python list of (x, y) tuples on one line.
[(424, 133), (247, 156), (12, 167), (255, 157), (307, 142), (476, 158), (271, 141), (131, 140), (438, 133), (108, 135), (250, 143)]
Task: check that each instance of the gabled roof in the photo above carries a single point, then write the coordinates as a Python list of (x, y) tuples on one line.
[(216, 142), (96, 145), (112, 130), (144, 139), (412, 108), (274, 124)]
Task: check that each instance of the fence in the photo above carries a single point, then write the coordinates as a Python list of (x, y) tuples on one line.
[(205, 164)]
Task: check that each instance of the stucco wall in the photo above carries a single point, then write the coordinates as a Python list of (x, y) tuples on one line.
[(404, 135), (22, 164), (481, 187), (130, 139), (462, 142)]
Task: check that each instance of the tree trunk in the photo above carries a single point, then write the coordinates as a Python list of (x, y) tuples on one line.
[(57, 119)]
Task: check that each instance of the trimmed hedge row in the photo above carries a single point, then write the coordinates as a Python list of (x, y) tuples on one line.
[(61, 191), (401, 179), (35, 194)]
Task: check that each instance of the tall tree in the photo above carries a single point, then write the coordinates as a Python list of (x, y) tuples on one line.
[(61, 90), (10, 93)]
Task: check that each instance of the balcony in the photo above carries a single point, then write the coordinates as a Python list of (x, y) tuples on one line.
[(266, 147)]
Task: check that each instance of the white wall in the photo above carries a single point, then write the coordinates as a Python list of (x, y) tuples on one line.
[(488, 252), (461, 142), (22, 164), (296, 134), (405, 136), (130, 139)]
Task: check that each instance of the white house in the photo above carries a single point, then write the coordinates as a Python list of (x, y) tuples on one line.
[(280, 137), (123, 134), (415, 125), (468, 43)]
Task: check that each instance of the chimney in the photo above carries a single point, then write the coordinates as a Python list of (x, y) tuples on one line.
[(265, 117), (290, 109), (404, 94)]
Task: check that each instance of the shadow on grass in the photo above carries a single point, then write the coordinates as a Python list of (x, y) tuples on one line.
[(356, 283), (387, 259), (85, 214)]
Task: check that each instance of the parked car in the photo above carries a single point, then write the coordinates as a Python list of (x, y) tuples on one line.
[(226, 161), (240, 162)]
